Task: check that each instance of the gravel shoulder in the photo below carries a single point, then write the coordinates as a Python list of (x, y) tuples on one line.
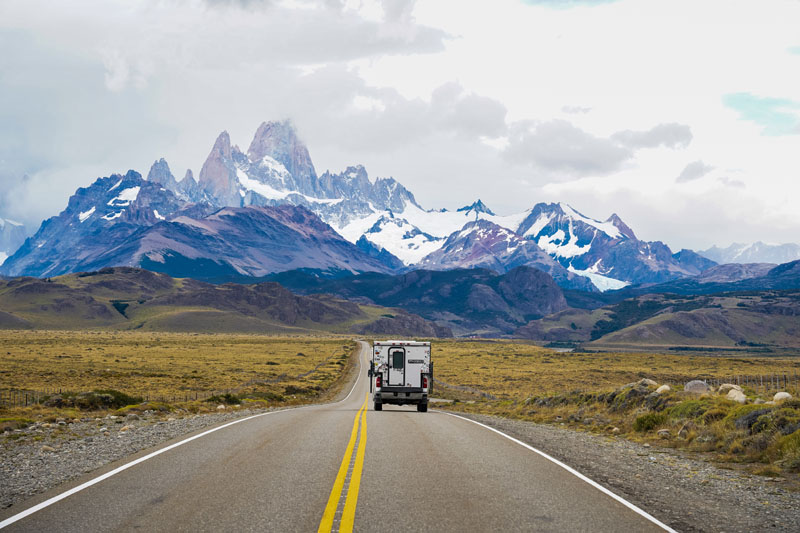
[(686, 493)]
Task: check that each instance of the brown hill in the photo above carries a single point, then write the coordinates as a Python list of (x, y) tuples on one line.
[(131, 298)]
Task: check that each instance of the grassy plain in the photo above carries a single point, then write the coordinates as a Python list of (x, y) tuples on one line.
[(516, 370), (588, 391), (172, 366)]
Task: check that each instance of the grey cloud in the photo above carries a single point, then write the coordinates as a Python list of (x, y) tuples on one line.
[(471, 115), (559, 146), (730, 182), (693, 171), (671, 135)]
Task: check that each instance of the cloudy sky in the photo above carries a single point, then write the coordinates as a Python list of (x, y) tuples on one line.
[(681, 116)]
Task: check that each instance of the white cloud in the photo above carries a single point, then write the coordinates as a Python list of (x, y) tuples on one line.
[(693, 171), (456, 99)]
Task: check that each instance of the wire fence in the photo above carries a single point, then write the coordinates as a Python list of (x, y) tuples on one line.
[(11, 398)]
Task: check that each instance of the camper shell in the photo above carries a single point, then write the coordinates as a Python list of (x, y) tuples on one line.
[(401, 373)]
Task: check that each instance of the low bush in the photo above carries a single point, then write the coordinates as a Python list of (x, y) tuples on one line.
[(689, 409), (227, 399), (649, 421)]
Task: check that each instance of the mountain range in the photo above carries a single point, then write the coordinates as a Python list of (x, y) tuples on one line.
[(268, 210), (757, 252)]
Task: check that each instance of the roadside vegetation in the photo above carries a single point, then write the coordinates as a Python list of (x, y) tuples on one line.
[(71, 374), (616, 394)]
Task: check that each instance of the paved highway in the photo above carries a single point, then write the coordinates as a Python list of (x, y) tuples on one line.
[(333, 467)]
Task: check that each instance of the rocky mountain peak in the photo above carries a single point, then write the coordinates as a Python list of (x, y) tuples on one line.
[(477, 207), (218, 175), (161, 174), (279, 141), (621, 226)]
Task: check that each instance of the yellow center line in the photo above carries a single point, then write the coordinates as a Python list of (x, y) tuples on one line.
[(349, 514), (326, 525)]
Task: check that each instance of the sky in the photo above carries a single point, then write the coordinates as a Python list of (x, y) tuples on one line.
[(682, 117)]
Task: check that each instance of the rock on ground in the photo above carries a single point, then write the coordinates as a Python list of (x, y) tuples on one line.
[(696, 386)]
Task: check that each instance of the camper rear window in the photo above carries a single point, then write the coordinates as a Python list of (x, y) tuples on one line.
[(397, 358)]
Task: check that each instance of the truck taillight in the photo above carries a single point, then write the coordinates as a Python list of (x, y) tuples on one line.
[(378, 380), (424, 382)]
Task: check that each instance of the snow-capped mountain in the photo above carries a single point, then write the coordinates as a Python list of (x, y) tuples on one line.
[(12, 235), (484, 244), (129, 221), (96, 219), (608, 252), (757, 252), (380, 217)]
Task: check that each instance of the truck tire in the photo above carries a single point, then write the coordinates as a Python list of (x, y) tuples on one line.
[(422, 407), (378, 406)]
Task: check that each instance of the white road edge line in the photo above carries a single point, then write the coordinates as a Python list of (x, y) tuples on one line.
[(571, 470), (47, 503)]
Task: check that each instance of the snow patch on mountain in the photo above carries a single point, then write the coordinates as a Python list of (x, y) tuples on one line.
[(603, 283), (275, 167), (125, 197), (403, 240), (541, 222), (560, 244), (606, 227), (86, 214), (3, 257)]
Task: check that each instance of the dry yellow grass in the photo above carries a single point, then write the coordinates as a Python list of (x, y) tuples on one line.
[(514, 370), (170, 365)]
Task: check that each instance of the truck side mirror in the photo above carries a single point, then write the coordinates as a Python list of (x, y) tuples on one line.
[(369, 371)]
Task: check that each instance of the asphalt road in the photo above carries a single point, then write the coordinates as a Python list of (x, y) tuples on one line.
[(405, 471)]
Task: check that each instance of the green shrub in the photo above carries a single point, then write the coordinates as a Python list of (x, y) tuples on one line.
[(119, 399), (227, 399), (712, 415), (649, 421), (688, 409)]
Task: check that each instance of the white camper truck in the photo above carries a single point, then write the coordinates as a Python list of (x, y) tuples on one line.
[(402, 373)]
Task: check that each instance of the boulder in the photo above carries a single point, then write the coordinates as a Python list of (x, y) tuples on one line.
[(220, 407), (664, 433), (663, 388), (758, 401), (726, 387), (48, 449), (737, 396), (615, 430), (780, 396), (125, 428), (696, 386)]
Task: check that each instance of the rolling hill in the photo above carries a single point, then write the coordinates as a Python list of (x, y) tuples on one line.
[(130, 298)]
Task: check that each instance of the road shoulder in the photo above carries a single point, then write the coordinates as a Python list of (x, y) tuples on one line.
[(685, 493)]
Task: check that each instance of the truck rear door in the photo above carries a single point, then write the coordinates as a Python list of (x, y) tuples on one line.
[(397, 366)]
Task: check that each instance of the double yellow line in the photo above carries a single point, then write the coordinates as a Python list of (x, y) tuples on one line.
[(349, 513)]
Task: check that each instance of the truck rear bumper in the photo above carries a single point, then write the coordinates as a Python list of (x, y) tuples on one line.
[(401, 395)]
